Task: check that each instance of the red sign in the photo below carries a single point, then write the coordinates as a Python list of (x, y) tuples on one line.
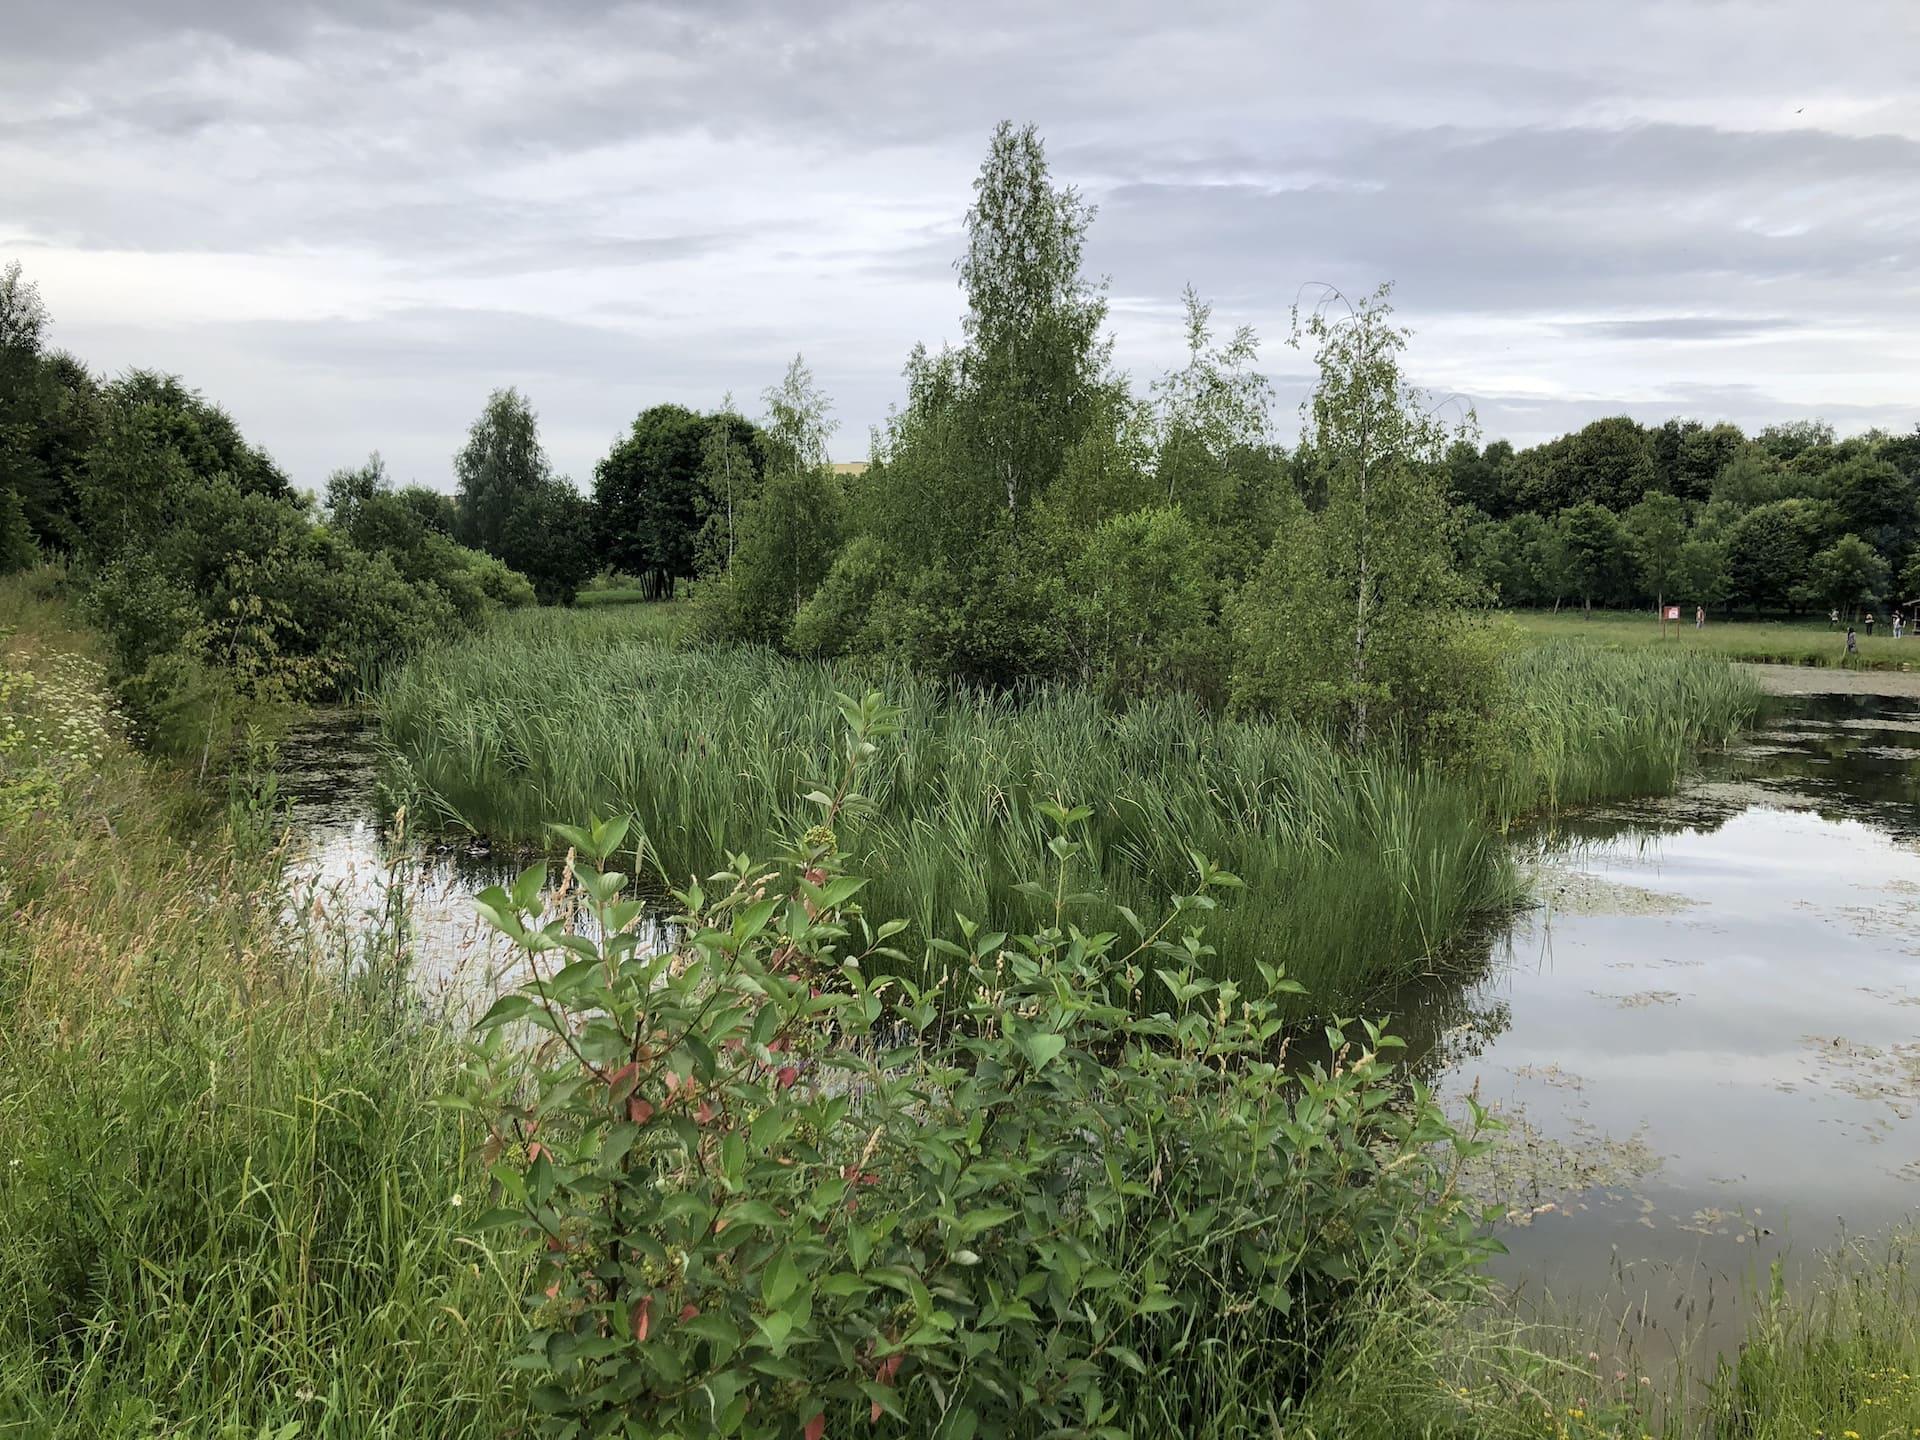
[(1673, 612)]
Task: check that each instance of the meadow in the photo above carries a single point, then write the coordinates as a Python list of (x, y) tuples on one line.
[(1765, 642), (1361, 872), (234, 1206)]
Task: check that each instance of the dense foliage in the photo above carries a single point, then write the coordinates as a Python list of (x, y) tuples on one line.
[(229, 1199), (1067, 1191), (218, 587), (1361, 871), (1618, 513)]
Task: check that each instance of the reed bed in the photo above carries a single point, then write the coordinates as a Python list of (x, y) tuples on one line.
[(1362, 872)]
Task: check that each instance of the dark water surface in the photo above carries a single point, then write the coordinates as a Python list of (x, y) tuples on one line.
[(1706, 1042)]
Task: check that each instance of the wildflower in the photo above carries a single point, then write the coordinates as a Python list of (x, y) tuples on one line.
[(456, 1202)]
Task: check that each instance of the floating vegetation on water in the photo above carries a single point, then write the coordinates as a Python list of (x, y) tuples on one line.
[(1565, 891), (1528, 1172), (1639, 999), (1868, 1072), (1551, 1074)]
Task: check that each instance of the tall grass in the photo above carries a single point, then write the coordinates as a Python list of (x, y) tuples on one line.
[(1582, 723), (1360, 872), (227, 1193)]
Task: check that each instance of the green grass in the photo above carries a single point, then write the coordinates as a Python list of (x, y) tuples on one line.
[(1774, 642), (226, 1199), (1361, 874), (1836, 1356)]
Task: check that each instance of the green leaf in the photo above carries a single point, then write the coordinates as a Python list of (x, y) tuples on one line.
[(1041, 1047)]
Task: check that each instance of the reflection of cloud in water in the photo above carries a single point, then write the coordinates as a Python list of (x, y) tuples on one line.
[(1776, 897)]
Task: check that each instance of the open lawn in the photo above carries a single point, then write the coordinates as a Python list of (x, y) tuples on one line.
[(1778, 642)]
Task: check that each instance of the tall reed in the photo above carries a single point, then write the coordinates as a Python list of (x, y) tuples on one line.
[(1361, 871)]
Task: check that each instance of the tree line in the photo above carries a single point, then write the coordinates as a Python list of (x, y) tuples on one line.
[(1027, 513), (1618, 513), (217, 586)]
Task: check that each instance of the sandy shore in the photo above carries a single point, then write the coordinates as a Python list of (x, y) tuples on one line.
[(1826, 680)]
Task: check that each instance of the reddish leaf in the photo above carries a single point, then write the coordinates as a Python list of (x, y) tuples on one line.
[(874, 1415), (641, 1320), (623, 1074), (816, 1427), (705, 1113), (687, 1312), (639, 1111), (786, 1075)]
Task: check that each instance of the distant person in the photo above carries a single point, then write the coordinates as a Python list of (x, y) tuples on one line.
[(1833, 619), (1699, 617), (1869, 624), (1896, 624), (1853, 644)]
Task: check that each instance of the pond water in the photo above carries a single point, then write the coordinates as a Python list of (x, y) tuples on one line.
[(343, 864), (1706, 1042)]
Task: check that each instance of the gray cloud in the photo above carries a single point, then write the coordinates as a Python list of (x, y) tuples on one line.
[(1681, 327), (348, 219)]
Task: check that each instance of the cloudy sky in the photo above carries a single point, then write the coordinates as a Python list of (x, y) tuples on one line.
[(348, 220)]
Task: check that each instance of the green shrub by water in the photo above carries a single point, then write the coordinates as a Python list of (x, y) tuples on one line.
[(1361, 872)]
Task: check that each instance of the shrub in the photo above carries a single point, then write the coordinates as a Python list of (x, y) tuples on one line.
[(1075, 1189)]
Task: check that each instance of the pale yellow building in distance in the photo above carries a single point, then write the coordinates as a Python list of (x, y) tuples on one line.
[(849, 467)]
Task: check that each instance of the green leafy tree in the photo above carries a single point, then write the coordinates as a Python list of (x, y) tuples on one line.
[(647, 497), (1143, 597), (17, 550), (1358, 617), (1034, 361), (1877, 501), (1210, 409), (1482, 479), (511, 505), (1793, 439), (1598, 560), (1848, 575), (499, 466), (1608, 462), (791, 530), (729, 478), (1770, 550), (1656, 532), (1701, 574), (1909, 592)]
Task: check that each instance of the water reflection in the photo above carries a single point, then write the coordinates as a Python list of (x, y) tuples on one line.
[(1706, 1037), (343, 868)]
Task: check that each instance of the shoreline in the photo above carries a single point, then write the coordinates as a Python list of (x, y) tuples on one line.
[(1832, 680)]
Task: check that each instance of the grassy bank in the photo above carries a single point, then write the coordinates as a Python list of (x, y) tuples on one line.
[(1766, 642), (1836, 1357), (1359, 872), (226, 1207)]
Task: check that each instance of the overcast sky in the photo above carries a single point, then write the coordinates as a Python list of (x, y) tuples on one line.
[(348, 220)]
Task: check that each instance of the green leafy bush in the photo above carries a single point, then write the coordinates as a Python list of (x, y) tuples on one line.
[(1074, 1189)]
